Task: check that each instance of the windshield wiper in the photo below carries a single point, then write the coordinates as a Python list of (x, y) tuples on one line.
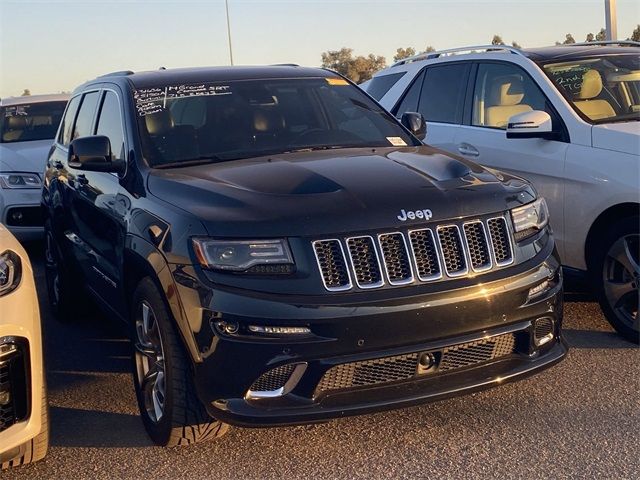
[(203, 160)]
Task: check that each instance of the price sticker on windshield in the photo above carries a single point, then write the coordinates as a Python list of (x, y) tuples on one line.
[(336, 81), (397, 141)]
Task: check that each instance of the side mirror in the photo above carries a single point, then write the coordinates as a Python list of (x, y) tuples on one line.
[(533, 124), (415, 123), (93, 154)]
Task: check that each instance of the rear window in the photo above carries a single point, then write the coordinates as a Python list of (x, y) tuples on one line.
[(379, 86), (30, 121)]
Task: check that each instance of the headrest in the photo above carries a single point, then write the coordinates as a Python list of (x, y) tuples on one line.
[(16, 122), (591, 85), (159, 123), (507, 91), (267, 121)]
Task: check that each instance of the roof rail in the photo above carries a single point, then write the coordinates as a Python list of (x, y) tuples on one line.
[(471, 49), (621, 43), (119, 73)]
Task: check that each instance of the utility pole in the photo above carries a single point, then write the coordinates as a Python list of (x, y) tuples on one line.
[(611, 19), (226, 3)]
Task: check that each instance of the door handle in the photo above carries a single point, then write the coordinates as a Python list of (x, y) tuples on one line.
[(468, 150)]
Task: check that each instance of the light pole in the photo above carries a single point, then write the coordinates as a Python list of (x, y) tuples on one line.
[(226, 3), (611, 19)]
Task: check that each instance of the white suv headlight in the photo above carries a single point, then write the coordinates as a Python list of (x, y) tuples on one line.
[(20, 180), (250, 256), (530, 219), (10, 272)]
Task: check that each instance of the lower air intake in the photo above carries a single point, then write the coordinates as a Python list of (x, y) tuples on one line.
[(273, 379)]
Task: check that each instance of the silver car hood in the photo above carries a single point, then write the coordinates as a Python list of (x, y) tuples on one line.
[(24, 156)]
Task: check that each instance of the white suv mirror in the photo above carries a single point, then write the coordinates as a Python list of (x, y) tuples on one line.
[(533, 124)]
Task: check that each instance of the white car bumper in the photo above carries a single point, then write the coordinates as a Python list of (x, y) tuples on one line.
[(20, 213)]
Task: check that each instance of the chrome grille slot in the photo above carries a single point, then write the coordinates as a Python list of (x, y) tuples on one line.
[(500, 241), (395, 255), (455, 263), (425, 254), (332, 264), (365, 261), (475, 237)]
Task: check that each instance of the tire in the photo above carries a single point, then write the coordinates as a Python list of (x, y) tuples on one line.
[(36, 448), (615, 274), (171, 411)]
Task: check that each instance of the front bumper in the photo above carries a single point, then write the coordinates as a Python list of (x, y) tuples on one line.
[(367, 332), (21, 213), (20, 326)]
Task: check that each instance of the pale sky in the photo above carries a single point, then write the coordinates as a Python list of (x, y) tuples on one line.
[(52, 46)]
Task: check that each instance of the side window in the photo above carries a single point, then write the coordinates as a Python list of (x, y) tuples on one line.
[(84, 121), (379, 86), (110, 124), (66, 125), (410, 101), (501, 91), (443, 92)]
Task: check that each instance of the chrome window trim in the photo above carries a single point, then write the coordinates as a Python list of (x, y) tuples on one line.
[(435, 248), (355, 275), (513, 252), (406, 281), (342, 288), (461, 273), (486, 241)]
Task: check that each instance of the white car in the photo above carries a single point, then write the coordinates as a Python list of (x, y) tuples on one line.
[(24, 426), (564, 117), (28, 126)]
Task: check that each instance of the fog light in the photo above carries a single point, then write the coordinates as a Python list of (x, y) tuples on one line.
[(279, 330), (543, 331), (538, 289)]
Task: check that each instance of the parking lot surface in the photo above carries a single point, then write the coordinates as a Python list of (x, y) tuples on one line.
[(579, 419)]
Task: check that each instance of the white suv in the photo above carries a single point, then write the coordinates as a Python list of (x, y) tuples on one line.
[(564, 117)]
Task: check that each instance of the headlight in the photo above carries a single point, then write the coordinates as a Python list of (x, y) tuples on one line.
[(530, 219), (20, 180), (10, 272), (250, 256)]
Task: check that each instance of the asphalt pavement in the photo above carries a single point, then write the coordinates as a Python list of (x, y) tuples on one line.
[(579, 419)]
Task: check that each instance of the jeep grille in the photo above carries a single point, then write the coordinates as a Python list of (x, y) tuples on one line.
[(421, 255)]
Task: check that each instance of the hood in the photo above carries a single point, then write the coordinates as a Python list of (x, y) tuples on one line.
[(620, 137), (336, 191), (24, 156)]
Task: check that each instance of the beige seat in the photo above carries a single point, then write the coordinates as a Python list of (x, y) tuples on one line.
[(14, 128), (586, 100), (506, 94)]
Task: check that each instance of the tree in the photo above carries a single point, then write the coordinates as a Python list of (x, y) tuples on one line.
[(601, 36), (569, 39), (431, 49), (590, 37), (635, 36), (26, 92), (358, 69), (515, 44), (497, 40), (404, 53)]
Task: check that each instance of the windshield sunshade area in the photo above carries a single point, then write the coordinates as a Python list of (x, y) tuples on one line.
[(30, 121), (182, 125), (602, 89)]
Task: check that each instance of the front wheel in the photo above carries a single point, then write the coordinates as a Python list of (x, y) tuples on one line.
[(616, 275), (171, 412)]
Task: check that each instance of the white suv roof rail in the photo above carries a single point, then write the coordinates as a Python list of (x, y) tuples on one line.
[(621, 43), (471, 49)]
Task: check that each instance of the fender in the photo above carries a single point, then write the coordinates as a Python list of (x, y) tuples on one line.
[(142, 258)]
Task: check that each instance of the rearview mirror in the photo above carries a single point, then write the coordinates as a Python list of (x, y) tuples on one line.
[(415, 123), (93, 154), (533, 124)]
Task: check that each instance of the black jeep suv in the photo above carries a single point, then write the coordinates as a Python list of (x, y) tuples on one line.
[(286, 252)]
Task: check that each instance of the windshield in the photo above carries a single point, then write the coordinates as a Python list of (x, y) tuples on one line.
[(214, 122), (602, 89), (30, 121)]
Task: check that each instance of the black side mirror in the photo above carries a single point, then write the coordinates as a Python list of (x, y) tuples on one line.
[(415, 123), (93, 154)]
